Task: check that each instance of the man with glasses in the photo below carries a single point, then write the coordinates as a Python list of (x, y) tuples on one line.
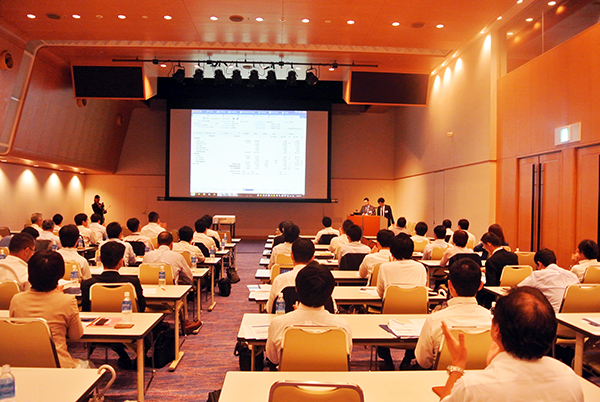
[(14, 266)]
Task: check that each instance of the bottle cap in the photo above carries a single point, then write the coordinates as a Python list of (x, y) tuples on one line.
[(6, 368), (126, 294)]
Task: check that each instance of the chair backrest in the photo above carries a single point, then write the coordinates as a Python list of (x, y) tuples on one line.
[(326, 238), (478, 342), (374, 275), (405, 299), (284, 260), (470, 244), (294, 391), (327, 352), (526, 258), (154, 241), (7, 290), (351, 261), (126, 231), (512, 275), (27, 342), (43, 245), (420, 245), (203, 248), (438, 252), (592, 274), (6, 251), (139, 248), (291, 297), (148, 273), (4, 231), (175, 235), (473, 256), (107, 297), (186, 256), (69, 265), (581, 298), (275, 271)]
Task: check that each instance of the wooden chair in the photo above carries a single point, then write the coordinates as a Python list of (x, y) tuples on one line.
[(139, 247), (470, 244), (284, 260), (4, 231), (374, 275), (351, 261), (275, 271), (6, 251), (326, 238), (420, 245), (148, 274), (126, 231), (477, 340), (526, 258), (438, 252), (294, 391), (405, 299), (154, 241), (186, 256), (592, 274), (512, 275), (7, 290), (69, 265), (327, 352), (107, 297), (580, 298), (27, 342)]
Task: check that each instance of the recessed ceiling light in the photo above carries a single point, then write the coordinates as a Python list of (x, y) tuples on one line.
[(167, 17), (144, 17), (499, 18), (298, 68), (214, 18), (3, 160), (163, 65), (260, 19), (350, 22), (328, 21), (519, 1), (395, 24), (99, 16), (31, 16), (529, 19), (439, 26), (551, 3), (305, 20), (36, 165), (331, 69), (482, 31), (509, 34), (76, 16), (121, 16)]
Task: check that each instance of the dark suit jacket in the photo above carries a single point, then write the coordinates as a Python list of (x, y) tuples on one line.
[(111, 276), (495, 264), (278, 240), (387, 213)]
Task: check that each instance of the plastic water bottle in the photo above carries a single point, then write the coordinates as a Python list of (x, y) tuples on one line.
[(7, 385), (75, 273), (194, 262), (280, 304), (212, 251), (146, 249), (162, 278), (54, 247), (80, 243), (126, 308), (2, 255), (225, 238), (98, 261)]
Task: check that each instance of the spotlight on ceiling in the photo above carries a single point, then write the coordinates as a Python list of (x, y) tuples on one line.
[(311, 79), (271, 77), (198, 76), (179, 74), (253, 79), (219, 77), (291, 78), (236, 77)]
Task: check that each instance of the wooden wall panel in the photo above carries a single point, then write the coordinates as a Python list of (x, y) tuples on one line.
[(8, 77), (588, 163)]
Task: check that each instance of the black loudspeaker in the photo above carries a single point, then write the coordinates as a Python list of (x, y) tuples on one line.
[(370, 88), (112, 82)]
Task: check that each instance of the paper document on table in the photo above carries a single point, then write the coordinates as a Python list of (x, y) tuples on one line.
[(265, 287), (149, 291), (594, 322), (258, 331), (403, 329), (371, 291), (259, 295), (253, 288)]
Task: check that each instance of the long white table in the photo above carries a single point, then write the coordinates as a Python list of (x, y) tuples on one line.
[(340, 276), (578, 323), (377, 386)]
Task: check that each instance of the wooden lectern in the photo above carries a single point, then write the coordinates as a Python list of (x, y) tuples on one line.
[(370, 224)]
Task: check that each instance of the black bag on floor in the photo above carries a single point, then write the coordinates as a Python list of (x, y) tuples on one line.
[(243, 352), (224, 287), (164, 347), (214, 396), (233, 275)]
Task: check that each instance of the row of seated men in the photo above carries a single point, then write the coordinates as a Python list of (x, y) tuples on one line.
[(523, 329)]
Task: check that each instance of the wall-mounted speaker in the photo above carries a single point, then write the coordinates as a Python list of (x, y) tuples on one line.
[(6, 60), (113, 82), (370, 88)]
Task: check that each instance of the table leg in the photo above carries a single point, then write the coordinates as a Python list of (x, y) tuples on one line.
[(140, 369), (199, 303), (578, 361), (212, 288), (178, 353), (251, 347)]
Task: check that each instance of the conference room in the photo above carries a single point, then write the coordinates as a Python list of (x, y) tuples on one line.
[(503, 130)]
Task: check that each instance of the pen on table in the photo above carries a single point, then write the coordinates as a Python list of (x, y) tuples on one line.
[(592, 323)]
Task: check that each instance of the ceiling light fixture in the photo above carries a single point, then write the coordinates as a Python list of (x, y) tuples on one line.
[(214, 18), (76, 16), (121, 16), (271, 77), (551, 3), (198, 76), (291, 78), (350, 22), (219, 77), (395, 24), (439, 26), (179, 74), (311, 79), (529, 19), (236, 77), (253, 79), (167, 17), (260, 19), (499, 18), (31, 16), (163, 65), (305, 20)]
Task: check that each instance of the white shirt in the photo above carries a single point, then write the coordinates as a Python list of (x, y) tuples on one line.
[(204, 239), (179, 266), (580, 268), (281, 282), (355, 247), (303, 315), (138, 237), (37, 227), (283, 248), (128, 256), (451, 252), (152, 229), (214, 234), (47, 235), (99, 231), (461, 312), (417, 238), (87, 234), (337, 242), (406, 272), (71, 254), (366, 267), (193, 250), (439, 243), (552, 281), (508, 379), (326, 231), (12, 268)]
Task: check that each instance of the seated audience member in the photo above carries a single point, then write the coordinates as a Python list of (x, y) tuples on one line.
[(497, 260), (45, 300), (420, 230), (342, 238), (303, 252), (31, 232), (182, 273), (69, 235), (327, 230), (36, 221), (14, 266), (381, 253), (283, 225), (48, 233), (463, 224), (186, 234), (97, 228), (314, 284), (440, 242), (133, 224), (115, 234), (88, 236), (154, 226), (354, 245), (585, 255), (460, 247), (290, 236), (385, 211), (400, 227), (523, 331), (464, 280), (550, 279), (497, 230), (200, 235), (57, 219), (403, 270), (208, 221), (5, 241), (447, 223)]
